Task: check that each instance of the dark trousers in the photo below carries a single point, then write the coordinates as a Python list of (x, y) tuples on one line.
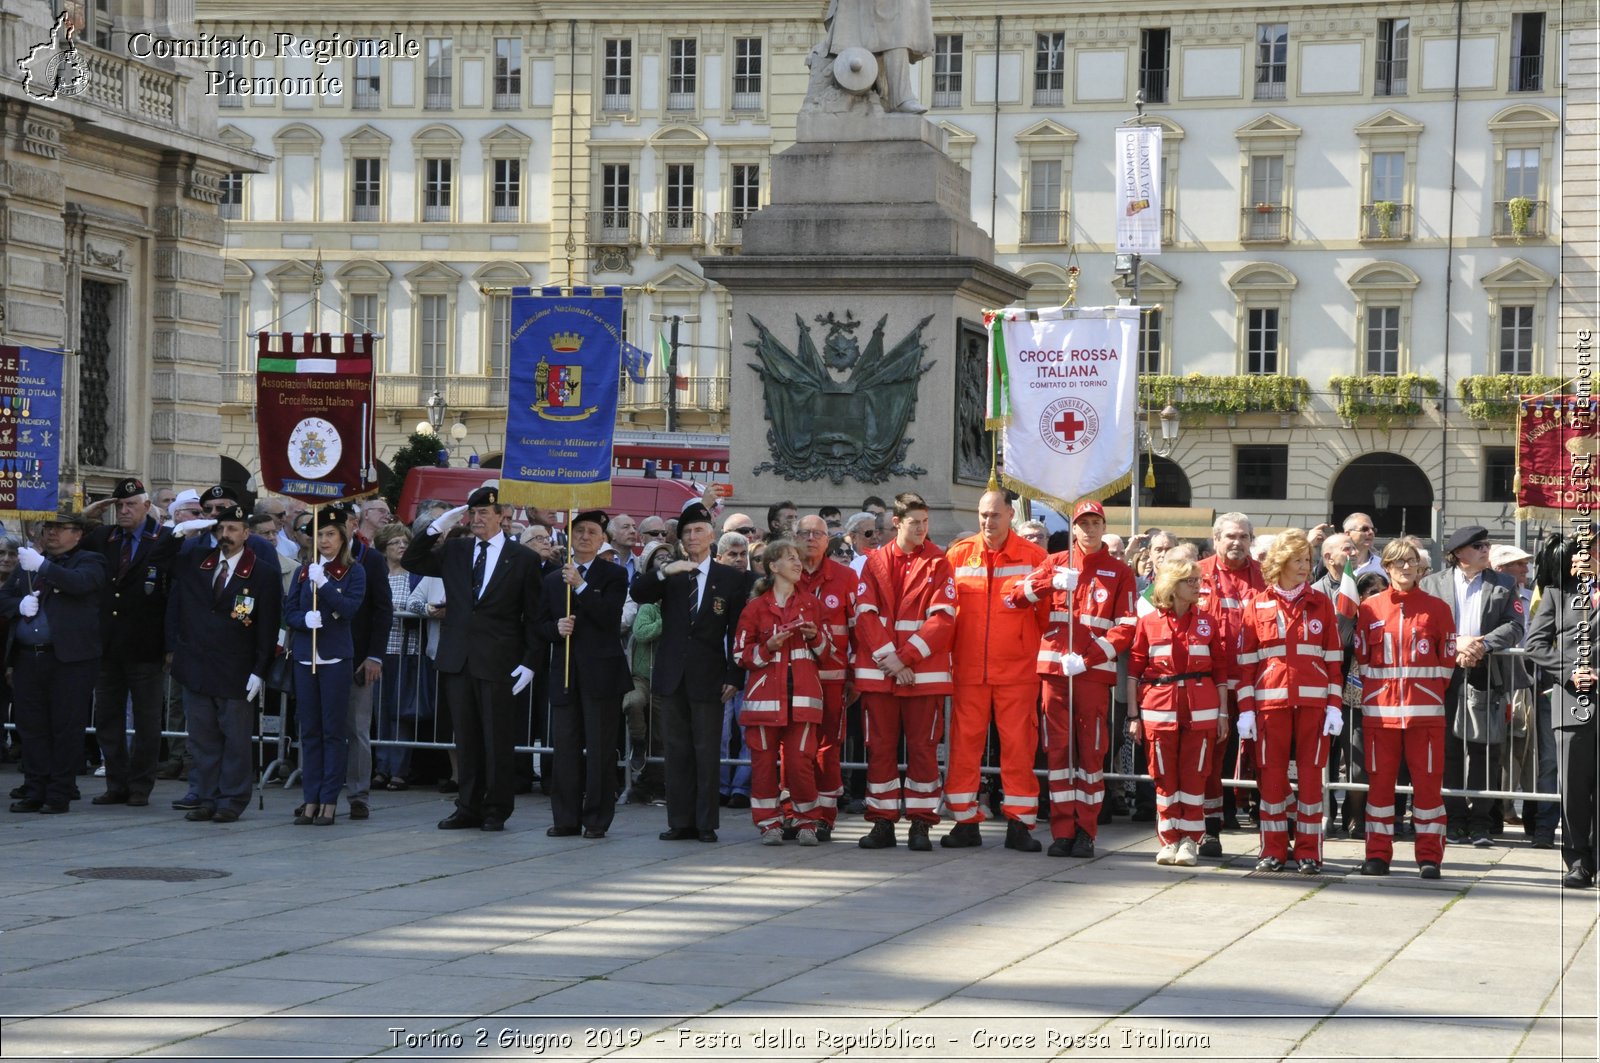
[(221, 731), (484, 721), (52, 709), (1578, 750), (583, 792), (1353, 808), (128, 771), (691, 732), (322, 700)]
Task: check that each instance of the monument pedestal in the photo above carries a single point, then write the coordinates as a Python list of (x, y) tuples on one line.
[(869, 222)]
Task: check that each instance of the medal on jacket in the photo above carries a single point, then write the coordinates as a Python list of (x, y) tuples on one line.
[(243, 606)]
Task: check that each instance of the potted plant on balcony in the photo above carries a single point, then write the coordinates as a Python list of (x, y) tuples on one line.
[(1263, 208), (1384, 211), (1520, 210)]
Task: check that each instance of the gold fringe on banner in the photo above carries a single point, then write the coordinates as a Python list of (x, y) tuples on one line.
[(27, 514), (1060, 505), (554, 496)]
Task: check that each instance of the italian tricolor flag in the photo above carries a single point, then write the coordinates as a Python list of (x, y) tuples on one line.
[(316, 357), (1346, 599)]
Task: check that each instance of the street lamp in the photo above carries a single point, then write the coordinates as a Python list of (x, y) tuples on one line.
[(435, 408), (1380, 497), (1171, 425), (672, 362)]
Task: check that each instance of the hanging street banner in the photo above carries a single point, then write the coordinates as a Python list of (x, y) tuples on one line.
[(1557, 452), (1063, 390), (314, 416), (566, 359), (1139, 190), (30, 432)]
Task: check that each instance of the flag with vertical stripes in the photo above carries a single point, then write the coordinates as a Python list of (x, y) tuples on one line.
[(1346, 600)]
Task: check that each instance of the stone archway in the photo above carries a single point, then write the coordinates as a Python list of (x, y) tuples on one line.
[(1172, 486), (1398, 483)]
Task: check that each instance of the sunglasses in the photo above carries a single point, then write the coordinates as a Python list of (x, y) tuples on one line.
[(655, 534), (747, 531)]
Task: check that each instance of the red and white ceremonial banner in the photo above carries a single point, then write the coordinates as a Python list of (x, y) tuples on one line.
[(1557, 448), (1063, 388), (314, 416)]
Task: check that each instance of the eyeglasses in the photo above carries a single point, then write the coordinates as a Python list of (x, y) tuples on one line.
[(746, 531), (867, 533), (1481, 545), (1406, 562), (659, 534), (811, 533)]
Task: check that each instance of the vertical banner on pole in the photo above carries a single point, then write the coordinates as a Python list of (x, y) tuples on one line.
[(314, 416), (30, 432), (1063, 390), (566, 362), (1557, 450), (1139, 190)]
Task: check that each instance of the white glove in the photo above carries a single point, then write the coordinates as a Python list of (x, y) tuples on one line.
[(1065, 579), (189, 527), (523, 676), (1333, 722), (29, 606), (1072, 664), (888, 659), (315, 573), (29, 558), (253, 688), (446, 520), (314, 620), (1247, 725)]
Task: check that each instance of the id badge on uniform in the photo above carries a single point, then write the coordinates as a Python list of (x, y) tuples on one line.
[(243, 606)]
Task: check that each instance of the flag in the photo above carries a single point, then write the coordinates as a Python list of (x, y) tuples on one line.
[(1139, 189), (1146, 602), (1062, 388), (1557, 448), (314, 423), (1347, 599), (30, 436), (636, 360)]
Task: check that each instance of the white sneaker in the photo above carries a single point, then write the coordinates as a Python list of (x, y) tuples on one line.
[(808, 836), (1167, 855), (100, 772), (1188, 853), (773, 836)]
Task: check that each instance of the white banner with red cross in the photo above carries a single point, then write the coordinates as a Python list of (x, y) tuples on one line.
[(1063, 388)]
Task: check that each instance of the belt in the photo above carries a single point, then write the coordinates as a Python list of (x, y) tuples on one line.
[(46, 648), (1168, 680)]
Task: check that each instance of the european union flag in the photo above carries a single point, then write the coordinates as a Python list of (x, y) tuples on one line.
[(636, 360)]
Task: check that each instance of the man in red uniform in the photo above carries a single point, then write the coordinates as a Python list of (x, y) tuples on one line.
[(905, 620), (1092, 621), (1227, 578), (834, 585), (996, 647)]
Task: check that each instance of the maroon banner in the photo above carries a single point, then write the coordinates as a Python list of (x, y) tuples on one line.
[(314, 417), (1556, 453)]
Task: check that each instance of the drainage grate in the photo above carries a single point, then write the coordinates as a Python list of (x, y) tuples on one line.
[(149, 874)]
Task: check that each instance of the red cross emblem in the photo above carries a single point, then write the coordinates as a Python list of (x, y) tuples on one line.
[(1069, 425)]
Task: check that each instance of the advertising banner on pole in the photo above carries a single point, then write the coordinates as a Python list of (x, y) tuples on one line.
[(1139, 190)]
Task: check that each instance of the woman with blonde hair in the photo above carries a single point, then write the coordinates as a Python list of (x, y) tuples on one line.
[(1182, 664), (1290, 681)]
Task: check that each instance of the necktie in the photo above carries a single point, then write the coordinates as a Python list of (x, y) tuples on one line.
[(583, 573), (219, 586), (478, 567), (127, 553), (694, 595)]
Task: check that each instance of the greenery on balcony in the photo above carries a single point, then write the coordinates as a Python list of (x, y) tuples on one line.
[(1493, 396), (1197, 394), (1385, 398)]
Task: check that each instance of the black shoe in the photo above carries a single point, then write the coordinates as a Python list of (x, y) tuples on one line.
[(110, 797), (707, 836), (1373, 866), (303, 817), (19, 792), (1269, 863), (138, 800), (492, 824), (1577, 878), (880, 837), (1356, 833), (187, 802), (449, 786), (27, 804), (963, 836), (790, 833), (200, 815), (592, 834), (172, 769), (1310, 867), (562, 832), (824, 833), (1143, 814), (359, 809), (739, 801), (1455, 835), (54, 810), (1083, 847), (379, 780), (856, 807), (458, 821), (1229, 823), (225, 815), (679, 834), (1211, 846), (1060, 847), (77, 794), (1544, 839), (1020, 838), (1427, 870), (917, 839)]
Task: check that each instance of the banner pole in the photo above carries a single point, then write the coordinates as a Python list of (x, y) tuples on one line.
[(566, 677), (316, 521)]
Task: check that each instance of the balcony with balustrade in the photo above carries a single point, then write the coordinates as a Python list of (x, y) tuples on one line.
[(1385, 221), (1264, 223), (677, 230), (615, 228)]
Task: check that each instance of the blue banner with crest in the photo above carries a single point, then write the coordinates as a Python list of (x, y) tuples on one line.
[(30, 432), (566, 358)]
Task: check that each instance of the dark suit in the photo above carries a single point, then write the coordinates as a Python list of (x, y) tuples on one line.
[(369, 628), (1553, 645), (586, 698), (133, 610), (54, 676), (482, 640), (693, 664), (217, 643), (1472, 762)]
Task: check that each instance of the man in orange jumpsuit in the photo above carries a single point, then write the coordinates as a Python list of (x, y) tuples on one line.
[(1227, 578), (834, 585), (1092, 621), (996, 649), (905, 619)]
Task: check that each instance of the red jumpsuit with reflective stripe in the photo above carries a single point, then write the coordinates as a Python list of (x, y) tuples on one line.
[(1405, 646), (1289, 667), (1096, 621), (1222, 594), (834, 585), (782, 704), (907, 603), (996, 647), (1179, 715)]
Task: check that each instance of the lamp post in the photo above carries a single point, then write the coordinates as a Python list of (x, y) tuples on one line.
[(672, 362), (435, 409), (458, 433), (1171, 425)]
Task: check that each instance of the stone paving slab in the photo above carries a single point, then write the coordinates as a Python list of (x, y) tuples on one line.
[(318, 940)]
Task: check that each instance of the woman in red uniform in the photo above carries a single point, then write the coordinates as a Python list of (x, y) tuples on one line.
[(1289, 680), (779, 639), (1181, 681), (1406, 648)]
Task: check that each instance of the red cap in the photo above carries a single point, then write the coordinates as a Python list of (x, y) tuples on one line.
[(1089, 506)]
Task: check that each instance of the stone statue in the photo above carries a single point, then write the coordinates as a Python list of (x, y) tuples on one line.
[(867, 53)]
